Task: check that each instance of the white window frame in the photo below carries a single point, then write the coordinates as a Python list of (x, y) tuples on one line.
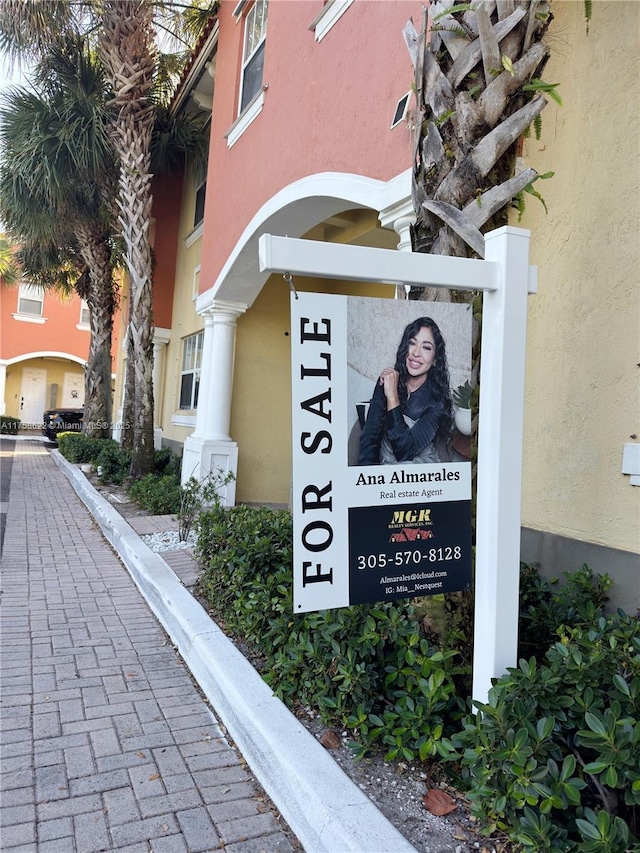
[(247, 57), (329, 15), (83, 324), (33, 293), (195, 286), (193, 370)]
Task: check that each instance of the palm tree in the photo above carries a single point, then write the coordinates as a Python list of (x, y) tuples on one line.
[(126, 40), (57, 185), (478, 91), (9, 270)]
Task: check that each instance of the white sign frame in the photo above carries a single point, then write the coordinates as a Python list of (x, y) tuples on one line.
[(505, 278)]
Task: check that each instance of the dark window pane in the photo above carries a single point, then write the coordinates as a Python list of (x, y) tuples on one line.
[(186, 384), (198, 215), (195, 393), (252, 80)]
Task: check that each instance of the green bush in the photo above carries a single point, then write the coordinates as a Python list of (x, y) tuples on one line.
[(77, 448), (167, 462), (552, 758), (547, 603), (113, 462), (366, 667), (9, 426), (159, 494)]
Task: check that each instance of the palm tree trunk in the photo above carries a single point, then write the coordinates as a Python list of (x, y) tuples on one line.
[(475, 100), (100, 294), (127, 49), (471, 73)]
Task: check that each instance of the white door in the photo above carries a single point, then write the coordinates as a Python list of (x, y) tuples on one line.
[(73, 390), (33, 394)]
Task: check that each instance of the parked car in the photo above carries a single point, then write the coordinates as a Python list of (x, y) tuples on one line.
[(61, 420)]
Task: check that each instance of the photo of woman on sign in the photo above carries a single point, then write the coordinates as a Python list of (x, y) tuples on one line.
[(410, 415)]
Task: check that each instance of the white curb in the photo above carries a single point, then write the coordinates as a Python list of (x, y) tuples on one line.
[(324, 808)]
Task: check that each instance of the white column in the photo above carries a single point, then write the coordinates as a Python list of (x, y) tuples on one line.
[(3, 386), (502, 373), (401, 216), (210, 447), (161, 338), (216, 377)]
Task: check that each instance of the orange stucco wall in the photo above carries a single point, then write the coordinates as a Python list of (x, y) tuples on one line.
[(59, 333), (167, 197), (328, 107)]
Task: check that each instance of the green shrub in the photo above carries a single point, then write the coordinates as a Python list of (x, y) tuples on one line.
[(9, 426), (113, 462), (167, 462), (367, 667), (552, 758), (77, 448), (547, 603), (159, 494)]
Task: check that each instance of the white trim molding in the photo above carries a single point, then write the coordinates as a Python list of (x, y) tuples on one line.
[(246, 117), (194, 235), (328, 16), (44, 354), (29, 318), (183, 420)]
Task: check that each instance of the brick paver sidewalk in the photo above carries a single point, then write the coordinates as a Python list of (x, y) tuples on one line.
[(106, 743)]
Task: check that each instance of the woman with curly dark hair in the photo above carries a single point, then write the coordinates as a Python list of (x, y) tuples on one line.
[(410, 415)]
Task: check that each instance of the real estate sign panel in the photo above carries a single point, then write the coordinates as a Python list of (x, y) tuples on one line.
[(375, 528)]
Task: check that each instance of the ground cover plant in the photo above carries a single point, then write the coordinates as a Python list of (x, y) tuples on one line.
[(551, 760)]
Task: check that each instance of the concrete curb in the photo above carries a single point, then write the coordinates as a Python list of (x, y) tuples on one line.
[(324, 808)]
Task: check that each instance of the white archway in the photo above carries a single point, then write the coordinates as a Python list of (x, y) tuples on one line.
[(292, 212), (44, 354)]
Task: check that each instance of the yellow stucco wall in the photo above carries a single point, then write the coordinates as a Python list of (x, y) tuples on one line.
[(583, 394), (261, 408), (185, 320)]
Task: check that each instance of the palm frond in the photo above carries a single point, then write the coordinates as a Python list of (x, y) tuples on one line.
[(9, 268), (29, 27), (178, 140)]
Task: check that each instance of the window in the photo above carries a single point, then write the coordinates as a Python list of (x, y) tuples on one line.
[(85, 317), (198, 214), (330, 13), (255, 30), (402, 108), (190, 376), (30, 299), (195, 288)]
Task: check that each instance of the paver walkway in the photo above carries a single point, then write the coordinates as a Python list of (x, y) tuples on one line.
[(106, 742)]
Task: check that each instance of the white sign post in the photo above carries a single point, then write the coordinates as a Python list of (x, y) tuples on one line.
[(504, 277)]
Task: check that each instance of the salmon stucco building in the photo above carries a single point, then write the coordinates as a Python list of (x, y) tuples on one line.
[(310, 108)]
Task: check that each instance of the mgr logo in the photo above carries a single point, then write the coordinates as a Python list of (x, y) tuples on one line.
[(410, 518), (407, 525)]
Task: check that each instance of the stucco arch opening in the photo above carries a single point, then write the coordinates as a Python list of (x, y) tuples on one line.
[(294, 211)]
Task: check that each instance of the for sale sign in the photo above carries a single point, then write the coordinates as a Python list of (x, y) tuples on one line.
[(381, 471)]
